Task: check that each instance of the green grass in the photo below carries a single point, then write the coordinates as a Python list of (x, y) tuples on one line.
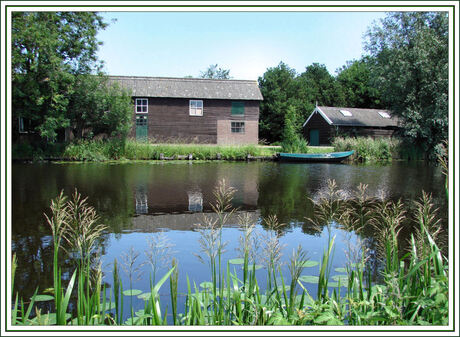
[(368, 149), (412, 288)]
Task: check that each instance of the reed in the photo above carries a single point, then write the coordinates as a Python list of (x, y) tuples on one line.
[(367, 148), (412, 288)]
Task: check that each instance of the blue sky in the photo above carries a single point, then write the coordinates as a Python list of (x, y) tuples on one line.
[(177, 44)]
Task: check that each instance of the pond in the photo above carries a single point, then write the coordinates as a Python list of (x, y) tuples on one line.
[(137, 201)]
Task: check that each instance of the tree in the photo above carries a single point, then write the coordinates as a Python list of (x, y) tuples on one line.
[(53, 54), (354, 79), (320, 87), (215, 73), (278, 89), (292, 140), (99, 106), (281, 88), (410, 69)]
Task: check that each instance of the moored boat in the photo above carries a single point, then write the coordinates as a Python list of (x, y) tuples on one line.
[(330, 157)]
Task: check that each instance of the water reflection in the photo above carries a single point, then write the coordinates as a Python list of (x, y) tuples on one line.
[(195, 201), (146, 198)]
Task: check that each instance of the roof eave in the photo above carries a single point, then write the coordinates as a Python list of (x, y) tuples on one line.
[(317, 109)]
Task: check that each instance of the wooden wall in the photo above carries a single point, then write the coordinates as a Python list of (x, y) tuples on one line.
[(325, 130), (169, 119), (328, 132)]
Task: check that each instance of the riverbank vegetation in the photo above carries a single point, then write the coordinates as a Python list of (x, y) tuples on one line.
[(405, 70), (408, 285), (116, 149)]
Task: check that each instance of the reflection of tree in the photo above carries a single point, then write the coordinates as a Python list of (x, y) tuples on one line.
[(283, 192), (30, 232)]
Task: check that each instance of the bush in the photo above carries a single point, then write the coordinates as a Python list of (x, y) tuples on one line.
[(367, 148), (292, 142)]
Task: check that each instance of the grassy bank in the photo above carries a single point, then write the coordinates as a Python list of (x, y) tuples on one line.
[(380, 149), (98, 151), (411, 288), (368, 149)]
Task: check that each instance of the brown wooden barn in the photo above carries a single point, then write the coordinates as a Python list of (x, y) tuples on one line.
[(325, 123), (194, 110)]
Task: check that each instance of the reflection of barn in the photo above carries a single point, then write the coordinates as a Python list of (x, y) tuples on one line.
[(325, 123), (184, 222), (192, 189)]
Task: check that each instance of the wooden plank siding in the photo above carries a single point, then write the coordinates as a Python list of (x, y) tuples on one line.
[(374, 132), (328, 132), (169, 119), (325, 130)]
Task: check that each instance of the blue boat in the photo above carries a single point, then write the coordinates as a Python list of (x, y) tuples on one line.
[(331, 157)]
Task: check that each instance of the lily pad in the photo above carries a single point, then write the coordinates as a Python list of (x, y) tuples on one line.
[(206, 284), (108, 306), (335, 284), (309, 279), (43, 298), (341, 270), (257, 267), (287, 288), (144, 296), (309, 263), (132, 292), (343, 278), (48, 319), (236, 261)]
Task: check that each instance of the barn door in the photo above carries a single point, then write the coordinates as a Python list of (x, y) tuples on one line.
[(141, 127), (314, 137)]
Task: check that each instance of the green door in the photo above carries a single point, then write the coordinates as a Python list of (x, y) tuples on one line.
[(141, 127), (314, 137)]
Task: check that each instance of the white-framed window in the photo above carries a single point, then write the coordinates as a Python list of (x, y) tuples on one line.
[(196, 107), (237, 127), (142, 105), (346, 113), (195, 201), (384, 114)]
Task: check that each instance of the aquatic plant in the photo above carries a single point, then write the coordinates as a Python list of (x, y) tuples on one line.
[(412, 289), (159, 253), (367, 148)]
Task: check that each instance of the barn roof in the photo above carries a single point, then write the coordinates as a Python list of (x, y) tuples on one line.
[(356, 117), (189, 87)]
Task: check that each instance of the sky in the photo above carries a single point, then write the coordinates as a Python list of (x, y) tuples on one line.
[(179, 44)]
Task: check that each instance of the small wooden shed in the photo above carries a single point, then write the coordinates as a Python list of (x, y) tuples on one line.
[(325, 123)]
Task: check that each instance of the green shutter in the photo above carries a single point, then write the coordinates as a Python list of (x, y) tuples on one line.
[(237, 108)]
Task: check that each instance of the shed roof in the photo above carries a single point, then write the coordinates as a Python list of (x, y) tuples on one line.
[(359, 117), (189, 87)]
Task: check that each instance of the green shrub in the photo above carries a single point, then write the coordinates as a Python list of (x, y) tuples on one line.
[(367, 148)]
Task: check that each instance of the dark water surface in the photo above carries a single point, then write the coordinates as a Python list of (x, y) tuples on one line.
[(136, 200)]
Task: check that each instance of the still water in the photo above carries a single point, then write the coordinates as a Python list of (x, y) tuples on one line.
[(137, 200)]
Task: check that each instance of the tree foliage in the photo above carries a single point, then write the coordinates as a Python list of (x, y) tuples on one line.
[(278, 89), (354, 80), (215, 72), (53, 57), (282, 88), (410, 68)]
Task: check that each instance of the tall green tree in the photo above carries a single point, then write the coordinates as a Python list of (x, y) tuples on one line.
[(320, 86), (53, 54), (358, 91), (215, 72), (278, 89), (410, 69), (99, 106)]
